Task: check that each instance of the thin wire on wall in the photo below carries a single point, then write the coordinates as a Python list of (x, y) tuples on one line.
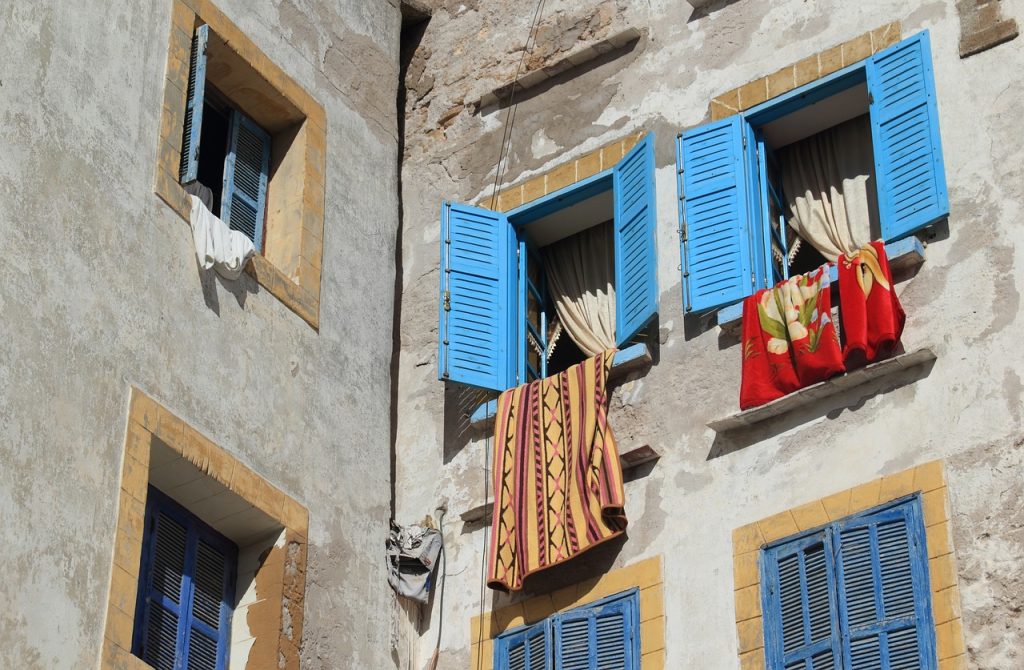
[(510, 113)]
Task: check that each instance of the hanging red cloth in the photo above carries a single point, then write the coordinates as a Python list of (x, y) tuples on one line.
[(871, 313), (789, 339)]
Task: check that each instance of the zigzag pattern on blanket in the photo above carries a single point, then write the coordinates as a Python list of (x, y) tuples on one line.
[(558, 480)]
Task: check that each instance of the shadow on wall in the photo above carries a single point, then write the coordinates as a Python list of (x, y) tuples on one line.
[(589, 565), (701, 8), (459, 404), (727, 442)]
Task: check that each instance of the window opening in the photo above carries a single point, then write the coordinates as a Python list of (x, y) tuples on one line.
[(213, 145), (817, 182), (576, 244)]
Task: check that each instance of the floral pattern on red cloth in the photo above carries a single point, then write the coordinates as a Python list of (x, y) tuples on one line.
[(872, 315), (789, 338)]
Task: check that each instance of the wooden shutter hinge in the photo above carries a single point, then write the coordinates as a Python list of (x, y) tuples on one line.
[(447, 301)]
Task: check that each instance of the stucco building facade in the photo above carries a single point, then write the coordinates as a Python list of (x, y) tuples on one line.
[(297, 409)]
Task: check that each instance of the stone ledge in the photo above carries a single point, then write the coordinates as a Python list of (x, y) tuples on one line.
[(533, 78), (825, 389)]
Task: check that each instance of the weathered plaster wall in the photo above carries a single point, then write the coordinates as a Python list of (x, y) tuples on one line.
[(964, 303), (99, 290)]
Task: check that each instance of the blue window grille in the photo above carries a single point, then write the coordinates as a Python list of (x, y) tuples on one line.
[(486, 267), (728, 212), (186, 590), (602, 636), (853, 594)]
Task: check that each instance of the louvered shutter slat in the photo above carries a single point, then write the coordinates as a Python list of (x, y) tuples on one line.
[(717, 244), (801, 631), (477, 295), (574, 641), (160, 638), (246, 171), (196, 96), (636, 287), (884, 594), (912, 189)]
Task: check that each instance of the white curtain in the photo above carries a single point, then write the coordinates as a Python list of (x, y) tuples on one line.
[(581, 274), (829, 183)]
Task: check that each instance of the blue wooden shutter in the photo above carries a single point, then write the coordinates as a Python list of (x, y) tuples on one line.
[(599, 637), (478, 298), (194, 106), (905, 136), (161, 602), (527, 649), (186, 590), (212, 581), (884, 595), (715, 210), (636, 281), (246, 171), (799, 594)]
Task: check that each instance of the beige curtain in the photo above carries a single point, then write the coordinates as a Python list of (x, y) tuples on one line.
[(829, 182), (581, 275)]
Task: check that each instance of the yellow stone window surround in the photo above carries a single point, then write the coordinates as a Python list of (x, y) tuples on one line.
[(927, 479), (645, 575), (275, 618), (289, 267)]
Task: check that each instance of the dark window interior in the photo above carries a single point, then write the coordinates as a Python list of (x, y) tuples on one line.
[(213, 146)]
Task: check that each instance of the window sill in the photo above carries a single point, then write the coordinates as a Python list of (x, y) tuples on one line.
[(626, 360), (628, 460), (904, 255), (821, 390)]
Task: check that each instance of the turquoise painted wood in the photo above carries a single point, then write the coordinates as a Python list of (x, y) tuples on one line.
[(905, 137), (801, 622), (478, 300), (186, 590), (851, 594), (526, 649), (246, 172), (194, 106), (636, 282), (717, 249), (604, 635)]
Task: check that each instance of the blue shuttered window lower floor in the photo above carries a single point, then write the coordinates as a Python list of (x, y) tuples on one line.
[(853, 595), (601, 636), (186, 590)]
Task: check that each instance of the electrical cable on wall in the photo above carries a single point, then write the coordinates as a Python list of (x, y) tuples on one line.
[(510, 114)]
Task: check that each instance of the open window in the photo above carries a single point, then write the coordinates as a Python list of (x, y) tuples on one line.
[(529, 293), (794, 182), (225, 155)]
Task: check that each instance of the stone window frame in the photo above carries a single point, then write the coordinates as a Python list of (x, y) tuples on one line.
[(276, 621), (929, 480), (645, 575), (292, 275)]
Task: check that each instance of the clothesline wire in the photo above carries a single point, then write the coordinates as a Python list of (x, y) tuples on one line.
[(510, 113)]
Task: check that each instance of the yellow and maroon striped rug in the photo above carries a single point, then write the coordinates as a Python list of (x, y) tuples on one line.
[(557, 477)]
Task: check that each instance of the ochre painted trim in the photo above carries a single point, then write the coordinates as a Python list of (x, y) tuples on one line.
[(283, 571), (300, 289), (928, 479), (645, 575), (564, 175), (804, 71)]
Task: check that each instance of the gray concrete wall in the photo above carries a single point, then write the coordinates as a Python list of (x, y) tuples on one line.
[(964, 303), (99, 290)]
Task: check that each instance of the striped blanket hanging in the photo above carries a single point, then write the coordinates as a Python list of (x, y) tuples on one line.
[(557, 477)]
